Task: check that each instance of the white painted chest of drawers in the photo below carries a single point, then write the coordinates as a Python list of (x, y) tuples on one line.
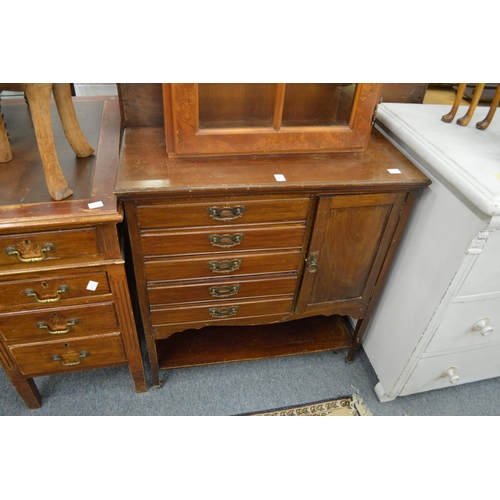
[(438, 323)]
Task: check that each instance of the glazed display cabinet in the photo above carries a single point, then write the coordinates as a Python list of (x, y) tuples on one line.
[(242, 257), (212, 119)]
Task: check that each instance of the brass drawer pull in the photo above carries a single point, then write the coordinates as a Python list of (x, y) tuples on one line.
[(225, 240), (224, 291), (224, 266), (58, 357), (69, 324), (312, 266), (60, 289), (28, 252), (223, 312), (226, 213)]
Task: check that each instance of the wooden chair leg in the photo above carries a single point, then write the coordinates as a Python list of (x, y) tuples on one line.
[(69, 120), (38, 96), (5, 150), (483, 124), (448, 118), (472, 107)]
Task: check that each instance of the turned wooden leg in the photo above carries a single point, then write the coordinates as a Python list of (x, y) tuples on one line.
[(38, 95), (483, 124), (69, 121), (472, 107), (456, 103), (5, 150)]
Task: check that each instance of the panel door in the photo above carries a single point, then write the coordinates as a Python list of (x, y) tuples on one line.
[(348, 245)]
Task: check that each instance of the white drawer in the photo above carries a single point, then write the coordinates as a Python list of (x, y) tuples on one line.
[(468, 324), (470, 366)]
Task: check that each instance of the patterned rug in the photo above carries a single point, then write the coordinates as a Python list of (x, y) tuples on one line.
[(349, 406)]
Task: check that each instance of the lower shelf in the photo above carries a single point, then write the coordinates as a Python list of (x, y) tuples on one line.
[(227, 344)]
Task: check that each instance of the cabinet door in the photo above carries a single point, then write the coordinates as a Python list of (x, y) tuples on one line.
[(348, 245), (208, 119)]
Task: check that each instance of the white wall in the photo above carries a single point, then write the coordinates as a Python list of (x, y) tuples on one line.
[(89, 89)]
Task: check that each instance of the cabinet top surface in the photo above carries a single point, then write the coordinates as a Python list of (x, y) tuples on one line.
[(146, 169), (468, 158), (25, 203)]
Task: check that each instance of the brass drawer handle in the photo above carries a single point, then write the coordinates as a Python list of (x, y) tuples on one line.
[(33, 252), (224, 291), (58, 357), (60, 289), (224, 266), (225, 240), (223, 312), (69, 324), (312, 266), (226, 213)]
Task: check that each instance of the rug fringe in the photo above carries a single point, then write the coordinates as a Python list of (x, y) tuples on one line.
[(360, 407)]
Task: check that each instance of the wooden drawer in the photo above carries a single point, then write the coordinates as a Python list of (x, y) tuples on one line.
[(222, 289), (45, 324), (221, 265), (48, 248), (471, 365), (211, 212), (55, 357), (468, 324), (220, 312), (238, 238), (41, 291)]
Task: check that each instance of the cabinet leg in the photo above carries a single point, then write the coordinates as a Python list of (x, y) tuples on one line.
[(355, 341), (129, 331), (153, 357), (155, 369), (351, 354), (137, 372), (27, 389), (29, 392)]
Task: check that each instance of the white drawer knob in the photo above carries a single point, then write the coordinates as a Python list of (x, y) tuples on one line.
[(450, 373), (482, 325)]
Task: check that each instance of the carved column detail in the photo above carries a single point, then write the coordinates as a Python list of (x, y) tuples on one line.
[(478, 243)]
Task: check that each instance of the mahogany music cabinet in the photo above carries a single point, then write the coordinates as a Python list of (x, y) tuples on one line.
[(244, 257), (64, 296)]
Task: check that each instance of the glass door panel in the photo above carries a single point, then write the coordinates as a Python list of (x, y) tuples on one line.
[(236, 105), (318, 104)]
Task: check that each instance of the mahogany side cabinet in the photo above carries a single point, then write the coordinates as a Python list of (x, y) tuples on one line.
[(64, 296), (246, 257)]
